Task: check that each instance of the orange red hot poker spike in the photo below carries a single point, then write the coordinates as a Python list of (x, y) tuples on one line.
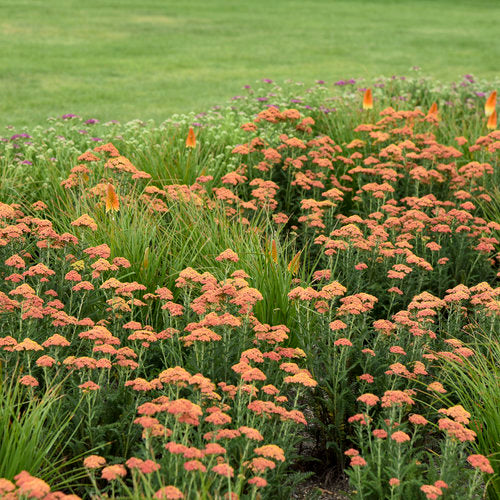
[(433, 113), (433, 110), (492, 121), (294, 264), (274, 251), (368, 99), (490, 104), (112, 202), (490, 111), (191, 139)]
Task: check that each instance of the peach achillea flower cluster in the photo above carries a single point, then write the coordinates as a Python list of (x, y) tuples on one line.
[(480, 462), (27, 486), (228, 254)]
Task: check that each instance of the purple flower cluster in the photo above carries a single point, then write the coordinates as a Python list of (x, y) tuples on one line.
[(17, 136), (345, 82)]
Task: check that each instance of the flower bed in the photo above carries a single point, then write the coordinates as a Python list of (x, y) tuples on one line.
[(180, 309)]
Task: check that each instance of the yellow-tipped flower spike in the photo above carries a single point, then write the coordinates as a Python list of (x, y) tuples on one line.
[(492, 121), (191, 139), (490, 104), (294, 264), (112, 202), (368, 99), (274, 251), (433, 110)]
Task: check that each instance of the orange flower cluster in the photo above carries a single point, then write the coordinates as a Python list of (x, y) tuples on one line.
[(28, 486)]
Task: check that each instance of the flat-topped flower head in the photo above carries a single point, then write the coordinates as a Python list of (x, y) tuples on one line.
[(343, 342), (214, 449), (100, 251), (24, 290), (108, 148), (366, 377), (169, 493), (261, 464), (271, 451), (15, 261), (112, 472), (481, 463), (88, 156), (227, 254), (218, 418), (28, 345), (223, 469), (94, 462), (400, 437), (456, 430), (351, 452), (385, 326), (30, 486), (357, 461), (89, 386), (257, 482), (379, 433), (6, 486), (416, 419), (337, 325), (436, 387), (396, 398), (45, 361), (145, 466), (56, 340), (194, 465), (29, 381), (441, 484), (457, 413), (362, 418), (302, 378), (431, 492), (85, 221), (368, 399), (250, 433)]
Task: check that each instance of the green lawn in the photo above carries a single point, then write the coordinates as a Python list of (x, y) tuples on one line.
[(126, 59)]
